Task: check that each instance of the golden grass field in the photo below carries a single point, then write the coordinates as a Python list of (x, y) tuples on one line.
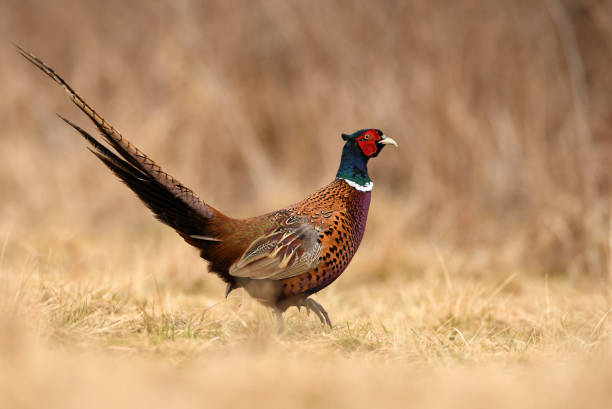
[(483, 279)]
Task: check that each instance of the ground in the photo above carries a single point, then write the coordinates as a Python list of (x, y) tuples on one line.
[(150, 328)]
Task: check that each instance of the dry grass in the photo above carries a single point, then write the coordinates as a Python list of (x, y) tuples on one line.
[(483, 279), (135, 336)]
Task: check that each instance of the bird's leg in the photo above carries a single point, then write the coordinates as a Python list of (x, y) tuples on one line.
[(312, 305), (319, 310)]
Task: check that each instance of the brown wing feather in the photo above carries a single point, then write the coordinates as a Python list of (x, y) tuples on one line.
[(287, 251)]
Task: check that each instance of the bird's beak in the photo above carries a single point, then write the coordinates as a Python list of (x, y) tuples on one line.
[(387, 141)]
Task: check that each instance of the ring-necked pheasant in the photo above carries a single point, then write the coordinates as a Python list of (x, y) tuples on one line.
[(280, 258)]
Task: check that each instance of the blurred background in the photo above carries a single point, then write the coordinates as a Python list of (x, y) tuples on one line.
[(502, 111), (483, 276)]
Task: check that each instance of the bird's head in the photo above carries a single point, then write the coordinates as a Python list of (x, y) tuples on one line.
[(369, 141), (359, 147)]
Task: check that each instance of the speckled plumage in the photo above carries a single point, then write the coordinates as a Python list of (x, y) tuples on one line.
[(339, 212), (280, 258)]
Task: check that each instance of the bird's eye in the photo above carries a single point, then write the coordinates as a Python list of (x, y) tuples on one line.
[(366, 137)]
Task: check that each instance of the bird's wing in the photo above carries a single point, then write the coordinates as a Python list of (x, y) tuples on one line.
[(172, 203), (287, 251)]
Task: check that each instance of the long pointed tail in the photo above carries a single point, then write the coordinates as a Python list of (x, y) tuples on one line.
[(172, 203), (126, 149)]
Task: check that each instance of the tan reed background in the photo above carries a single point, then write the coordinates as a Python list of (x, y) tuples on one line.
[(489, 235)]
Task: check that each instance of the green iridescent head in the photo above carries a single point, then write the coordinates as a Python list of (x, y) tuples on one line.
[(359, 147)]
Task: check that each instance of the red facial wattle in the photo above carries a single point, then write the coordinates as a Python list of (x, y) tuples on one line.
[(367, 147), (367, 142)]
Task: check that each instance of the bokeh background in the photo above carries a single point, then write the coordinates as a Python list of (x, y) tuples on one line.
[(503, 115), (502, 110)]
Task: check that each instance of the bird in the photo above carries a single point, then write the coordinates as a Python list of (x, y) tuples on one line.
[(280, 258)]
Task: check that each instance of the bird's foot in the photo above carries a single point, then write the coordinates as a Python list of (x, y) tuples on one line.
[(312, 305)]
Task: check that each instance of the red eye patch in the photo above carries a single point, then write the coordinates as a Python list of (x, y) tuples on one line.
[(367, 142), (367, 147)]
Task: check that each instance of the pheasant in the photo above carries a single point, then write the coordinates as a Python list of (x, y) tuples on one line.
[(280, 258)]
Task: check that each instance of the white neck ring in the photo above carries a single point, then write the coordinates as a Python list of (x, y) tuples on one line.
[(362, 188)]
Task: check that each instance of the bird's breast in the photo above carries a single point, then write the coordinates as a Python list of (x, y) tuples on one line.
[(341, 227)]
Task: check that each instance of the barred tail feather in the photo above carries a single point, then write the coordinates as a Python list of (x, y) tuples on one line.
[(171, 202), (166, 207), (125, 148)]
